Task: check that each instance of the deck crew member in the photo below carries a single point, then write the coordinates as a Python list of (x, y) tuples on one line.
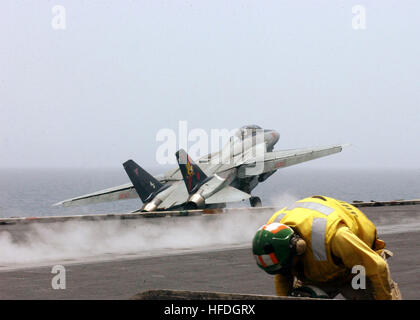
[(317, 242)]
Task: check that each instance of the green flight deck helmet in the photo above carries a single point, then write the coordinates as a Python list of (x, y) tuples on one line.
[(272, 247)]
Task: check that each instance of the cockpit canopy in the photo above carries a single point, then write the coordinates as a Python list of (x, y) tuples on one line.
[(247, 131)]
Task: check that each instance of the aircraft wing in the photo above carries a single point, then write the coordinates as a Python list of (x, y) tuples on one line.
[(125, 191), (275, 160)]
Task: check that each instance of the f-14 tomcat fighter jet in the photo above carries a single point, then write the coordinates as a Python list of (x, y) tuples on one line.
[(228, 175)]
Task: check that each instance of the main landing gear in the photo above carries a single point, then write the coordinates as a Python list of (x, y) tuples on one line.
[(255, 202)]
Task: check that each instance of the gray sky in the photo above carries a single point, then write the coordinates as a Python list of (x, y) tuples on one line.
[(96, 93)]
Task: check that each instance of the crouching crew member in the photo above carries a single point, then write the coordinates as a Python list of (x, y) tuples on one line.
[(324, 243)]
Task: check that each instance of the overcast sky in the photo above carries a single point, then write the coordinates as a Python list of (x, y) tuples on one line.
[(98, 92)]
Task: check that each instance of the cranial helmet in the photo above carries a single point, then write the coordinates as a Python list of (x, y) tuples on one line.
[(273, 246)]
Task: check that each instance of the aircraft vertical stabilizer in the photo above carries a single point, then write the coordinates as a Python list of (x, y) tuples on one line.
[(191, 172), (144, 183)]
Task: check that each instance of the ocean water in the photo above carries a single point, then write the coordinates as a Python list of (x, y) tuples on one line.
[(31, 192)]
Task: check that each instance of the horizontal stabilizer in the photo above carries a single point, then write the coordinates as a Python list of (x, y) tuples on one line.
[(125, 191), (228, 194)]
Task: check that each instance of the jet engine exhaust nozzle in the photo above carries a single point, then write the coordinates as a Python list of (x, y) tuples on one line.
[(196, 201), (152, 205)]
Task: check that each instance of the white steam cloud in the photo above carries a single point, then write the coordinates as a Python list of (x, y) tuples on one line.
[(75, 240)]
